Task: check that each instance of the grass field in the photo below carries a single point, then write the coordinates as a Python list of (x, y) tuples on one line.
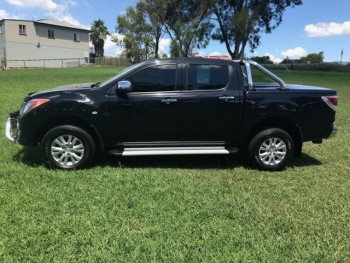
[(173, 209)]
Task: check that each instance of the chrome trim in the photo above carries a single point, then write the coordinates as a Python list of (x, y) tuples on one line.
[(168, 101), (248, 64), (67, 150), (326, 100), (10, 131), (249, 74), (170, 151), (333, 133), (227, 98), (124, 85), (272, 151)]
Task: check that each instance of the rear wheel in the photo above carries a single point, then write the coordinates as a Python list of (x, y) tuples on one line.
[(68, 147), (270, 149)]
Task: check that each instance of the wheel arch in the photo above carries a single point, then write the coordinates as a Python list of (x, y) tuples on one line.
[(74, 121), (282, 123)]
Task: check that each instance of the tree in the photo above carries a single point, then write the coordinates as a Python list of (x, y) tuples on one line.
[(142, 28), (188, 25), (314, 58), (185, 21), (262, 60), (175, 51), (155, 13), (137, 34), (241, 22), (98, 36)]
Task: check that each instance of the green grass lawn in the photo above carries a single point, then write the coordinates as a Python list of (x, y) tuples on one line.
[(173, 209)]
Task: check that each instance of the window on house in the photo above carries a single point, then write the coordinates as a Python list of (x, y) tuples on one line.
[(22, 30), (76, 37), (0, 29), (51, 34)]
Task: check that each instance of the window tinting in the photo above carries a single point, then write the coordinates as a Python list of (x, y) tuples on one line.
[(207, 77), (155, 78)]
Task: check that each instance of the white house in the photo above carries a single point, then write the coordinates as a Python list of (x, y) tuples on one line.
[(42, 43)]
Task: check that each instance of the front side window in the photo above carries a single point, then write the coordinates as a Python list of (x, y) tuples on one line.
[(22, 29), (51, 34), (207, 77), (154, 79)]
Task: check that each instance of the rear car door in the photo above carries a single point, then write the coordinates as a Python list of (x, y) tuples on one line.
[(212, 102)]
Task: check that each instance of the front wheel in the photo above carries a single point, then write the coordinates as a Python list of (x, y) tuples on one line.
[(270, 149), (68, 147)]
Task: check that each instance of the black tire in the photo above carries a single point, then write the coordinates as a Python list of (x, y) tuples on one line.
[(270, 150), (68, 147)]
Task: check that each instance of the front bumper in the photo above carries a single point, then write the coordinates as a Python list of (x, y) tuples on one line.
[(12, 131)]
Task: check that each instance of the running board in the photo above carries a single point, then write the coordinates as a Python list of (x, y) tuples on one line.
[(172, 151)]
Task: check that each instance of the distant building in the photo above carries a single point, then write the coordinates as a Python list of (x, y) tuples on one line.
[(43, 43), (295, 61), (220, 57)]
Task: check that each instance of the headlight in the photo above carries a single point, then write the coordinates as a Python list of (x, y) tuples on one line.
[(31, 105)]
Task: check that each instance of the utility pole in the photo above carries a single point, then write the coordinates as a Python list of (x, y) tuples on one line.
[(341, 57)]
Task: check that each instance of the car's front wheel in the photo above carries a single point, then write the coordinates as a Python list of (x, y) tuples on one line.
[(68, 147), (270, 149)]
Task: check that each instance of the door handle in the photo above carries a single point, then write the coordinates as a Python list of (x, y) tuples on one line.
[(168, 101), (226, 98)]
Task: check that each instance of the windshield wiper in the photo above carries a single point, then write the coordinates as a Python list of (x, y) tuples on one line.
[(95, 85)]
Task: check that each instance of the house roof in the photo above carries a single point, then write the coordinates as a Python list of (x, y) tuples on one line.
[(59, 23), (50, 22)]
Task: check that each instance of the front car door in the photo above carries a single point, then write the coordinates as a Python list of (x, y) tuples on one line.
[(150, 113)]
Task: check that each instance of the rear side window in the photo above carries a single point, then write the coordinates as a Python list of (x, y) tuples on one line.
[(153, 79), (207, 77)]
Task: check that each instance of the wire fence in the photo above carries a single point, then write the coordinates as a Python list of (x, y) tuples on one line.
[(111, 61), (44, 63), (335, 67)]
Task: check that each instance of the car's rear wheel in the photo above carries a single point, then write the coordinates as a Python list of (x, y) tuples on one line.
[(68, 147), (270, 149)]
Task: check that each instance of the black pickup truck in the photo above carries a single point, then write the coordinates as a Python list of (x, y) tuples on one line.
[(177, 106)]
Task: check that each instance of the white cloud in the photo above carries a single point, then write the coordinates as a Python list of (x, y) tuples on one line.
[(164, 45), (274, 59), (66, 17), (48, 5), (112, 49), (5, 15), (327, 29), (215, 53), (108, 42), (51, 8), (295, 52)]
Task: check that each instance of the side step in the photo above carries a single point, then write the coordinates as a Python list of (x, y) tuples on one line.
[(172, 151)]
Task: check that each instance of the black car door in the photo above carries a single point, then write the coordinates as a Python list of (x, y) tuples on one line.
[(212, 103), (150, 112)]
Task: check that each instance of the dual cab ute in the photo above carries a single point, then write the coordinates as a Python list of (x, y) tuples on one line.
[(177, 106)]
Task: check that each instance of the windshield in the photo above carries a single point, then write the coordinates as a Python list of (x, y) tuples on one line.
[(124, 71)]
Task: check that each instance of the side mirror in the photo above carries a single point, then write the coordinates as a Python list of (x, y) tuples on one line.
[(123, 88)]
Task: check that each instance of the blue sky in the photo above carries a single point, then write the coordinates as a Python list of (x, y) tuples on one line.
[(317, 25)]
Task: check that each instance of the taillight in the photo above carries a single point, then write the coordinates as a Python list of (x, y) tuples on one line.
[(331, 101)]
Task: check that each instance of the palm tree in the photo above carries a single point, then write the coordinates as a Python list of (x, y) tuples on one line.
[(98, 36)]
